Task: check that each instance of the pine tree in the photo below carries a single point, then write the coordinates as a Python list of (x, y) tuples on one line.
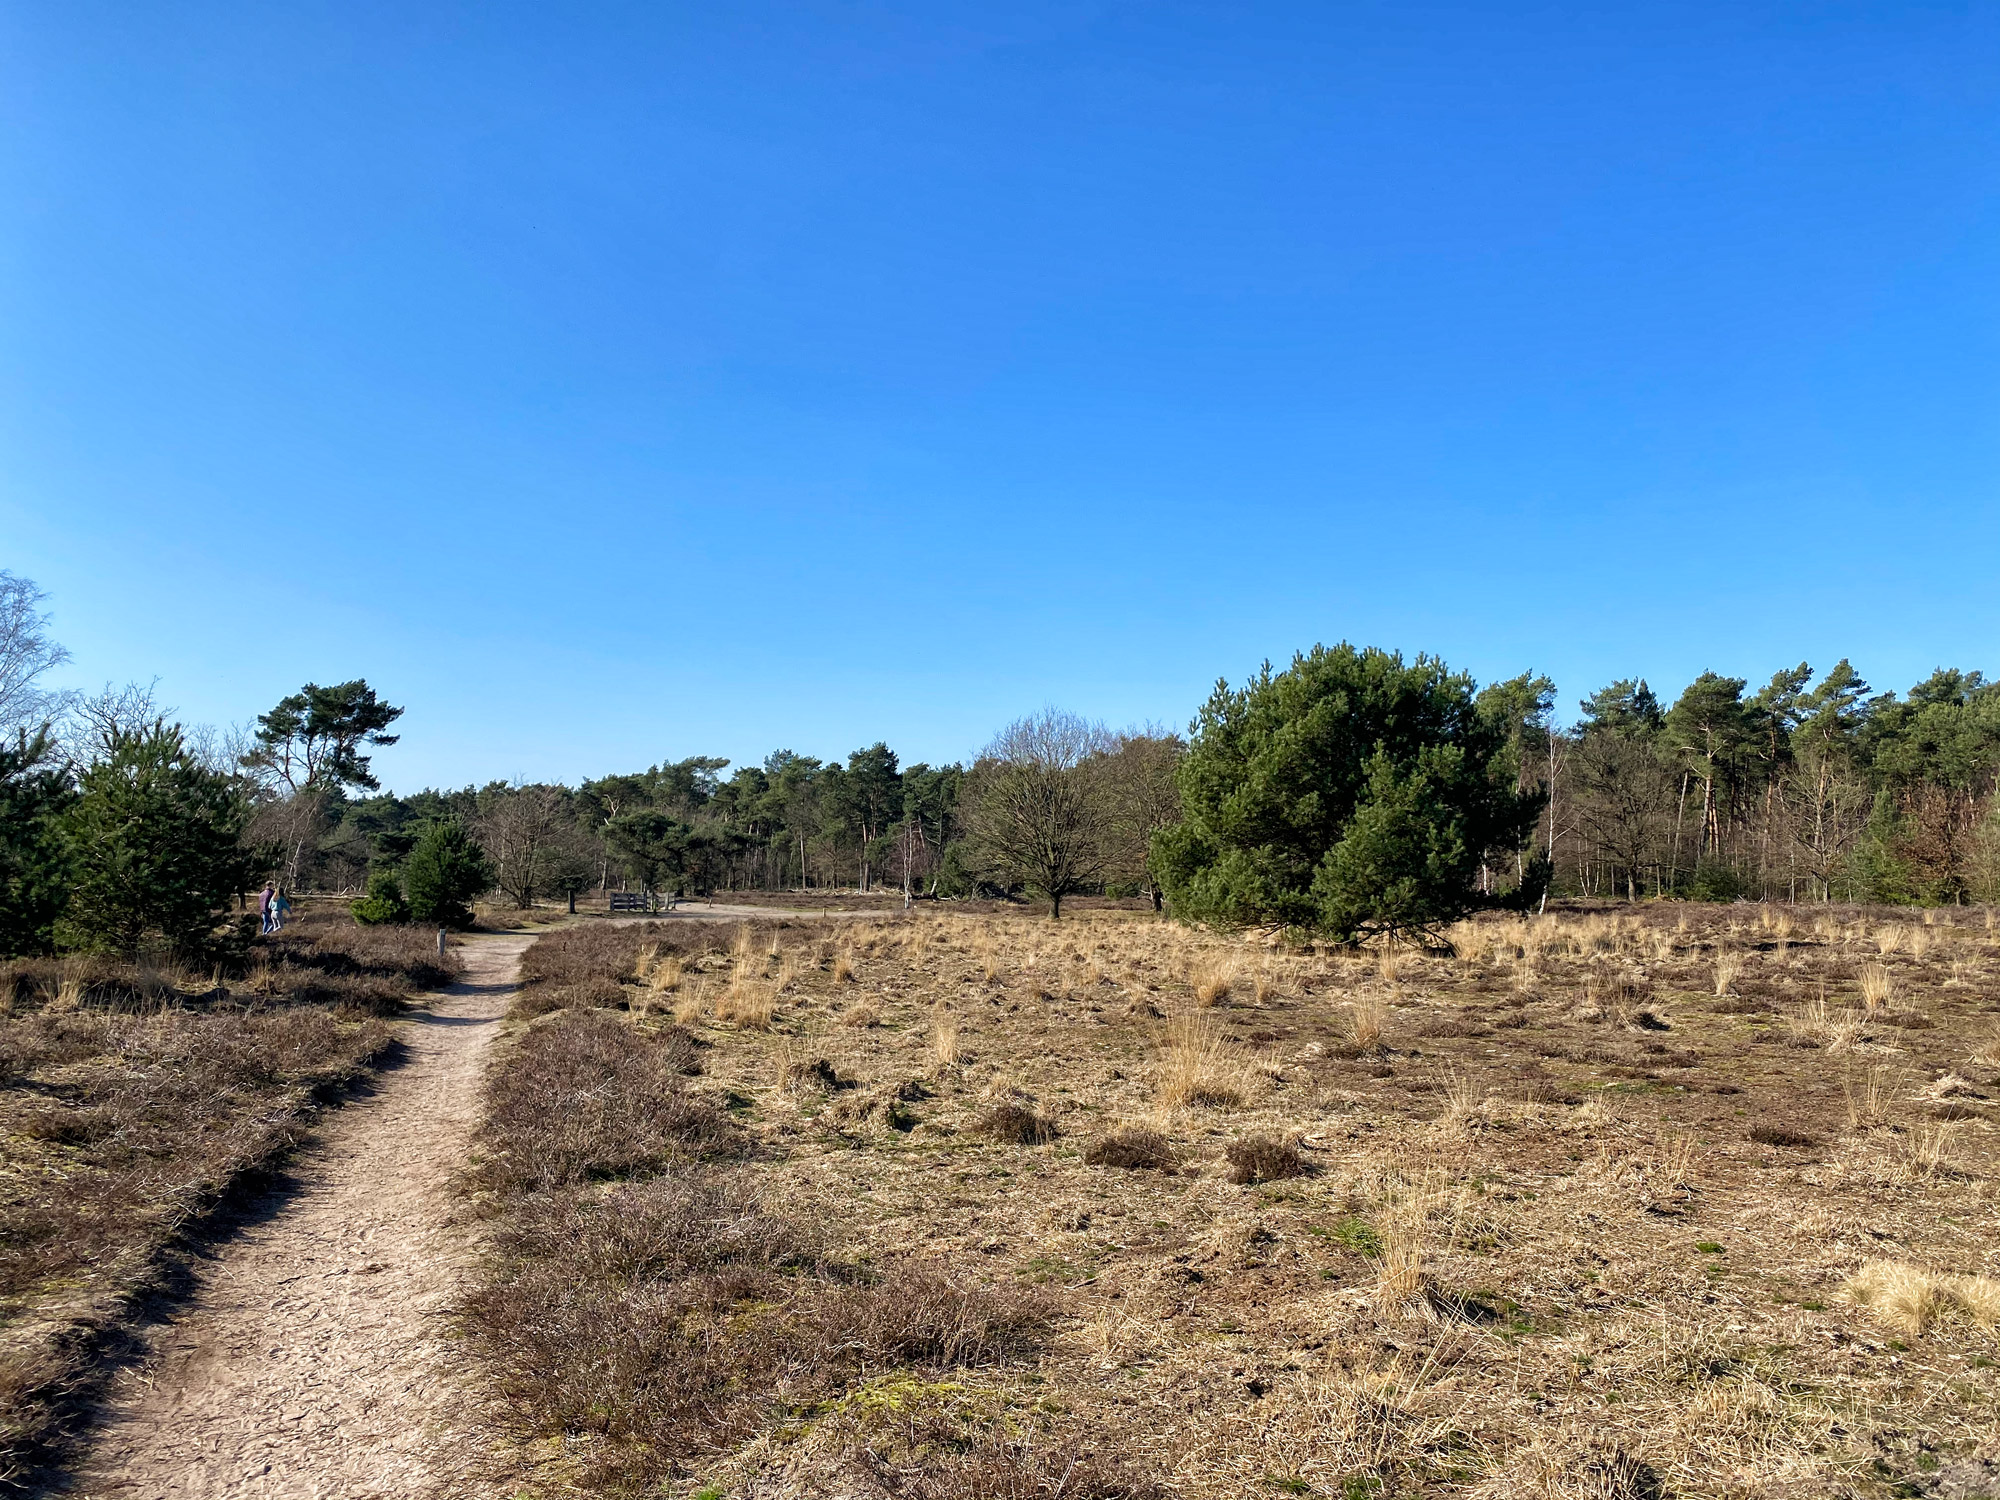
[(34, 857), (156, 841), (445, 871), (1353, 794)]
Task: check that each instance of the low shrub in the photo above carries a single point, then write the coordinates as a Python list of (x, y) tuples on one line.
[(1263, 1158), (1016, 1125), (587, 1096), (1133, 1147)]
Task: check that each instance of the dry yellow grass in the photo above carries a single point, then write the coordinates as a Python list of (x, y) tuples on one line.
[(1867, 1093), (1390, 964), (944, 1039), (843, 964), (1911, 1299), (1727, 967), (748, 1004), (1196, 1066), (691, 1004), (1878, 988), (1364, 1022), (1211, 980), (1527, 1254)]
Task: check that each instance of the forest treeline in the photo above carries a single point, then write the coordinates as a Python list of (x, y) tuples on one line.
[(1353, 793), (1811, 787)]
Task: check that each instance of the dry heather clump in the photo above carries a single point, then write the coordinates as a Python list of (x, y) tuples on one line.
[(1197, 1067), (1780, 1135), (590, 1096), (1016, 1125), (1263, 1158), (1133, 1147), (861, 1015), (811, 1075)]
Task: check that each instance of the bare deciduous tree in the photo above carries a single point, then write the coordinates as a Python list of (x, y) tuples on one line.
[(26, 652), (1145, 797), (520, 827), (1037, 809)]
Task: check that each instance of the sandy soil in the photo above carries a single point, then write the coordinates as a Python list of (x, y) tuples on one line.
[(314, 1360)]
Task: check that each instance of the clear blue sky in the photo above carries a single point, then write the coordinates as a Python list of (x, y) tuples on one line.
[(610, 383)]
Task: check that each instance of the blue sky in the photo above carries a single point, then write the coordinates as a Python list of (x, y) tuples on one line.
[(609, 383)]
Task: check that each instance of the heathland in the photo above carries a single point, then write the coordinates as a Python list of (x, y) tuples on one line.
[(1694, 1201)]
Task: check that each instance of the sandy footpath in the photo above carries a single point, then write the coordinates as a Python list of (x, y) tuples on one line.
[(314, 1360)]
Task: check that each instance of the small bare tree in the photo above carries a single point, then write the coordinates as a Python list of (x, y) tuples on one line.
[(1037, 808), (26, 652)]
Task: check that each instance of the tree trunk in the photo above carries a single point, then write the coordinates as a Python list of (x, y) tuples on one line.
[(1055, 906)]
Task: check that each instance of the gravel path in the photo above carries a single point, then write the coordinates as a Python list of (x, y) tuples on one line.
[(313, 1362)]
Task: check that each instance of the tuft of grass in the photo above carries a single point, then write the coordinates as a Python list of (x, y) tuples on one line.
[(1389, 962), (1364, 1023), (1878, 988), (1197, 1068), (1867, 1097), (748, 1004), (843, 964), (1727, 967), (944, 1039), (1212, 979)]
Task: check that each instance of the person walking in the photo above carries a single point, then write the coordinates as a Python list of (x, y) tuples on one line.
[(281, 907), (264, 900)]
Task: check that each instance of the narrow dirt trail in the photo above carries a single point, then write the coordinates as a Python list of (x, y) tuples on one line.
[(313, 1362)]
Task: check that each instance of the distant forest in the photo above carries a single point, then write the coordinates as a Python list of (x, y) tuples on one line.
[(1813, 787), (1353, 792)]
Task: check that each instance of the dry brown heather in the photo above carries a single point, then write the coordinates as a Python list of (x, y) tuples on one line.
[(132, 1100), (1689, 1201)]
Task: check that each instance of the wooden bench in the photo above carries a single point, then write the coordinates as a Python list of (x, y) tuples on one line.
[(628, 901)]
